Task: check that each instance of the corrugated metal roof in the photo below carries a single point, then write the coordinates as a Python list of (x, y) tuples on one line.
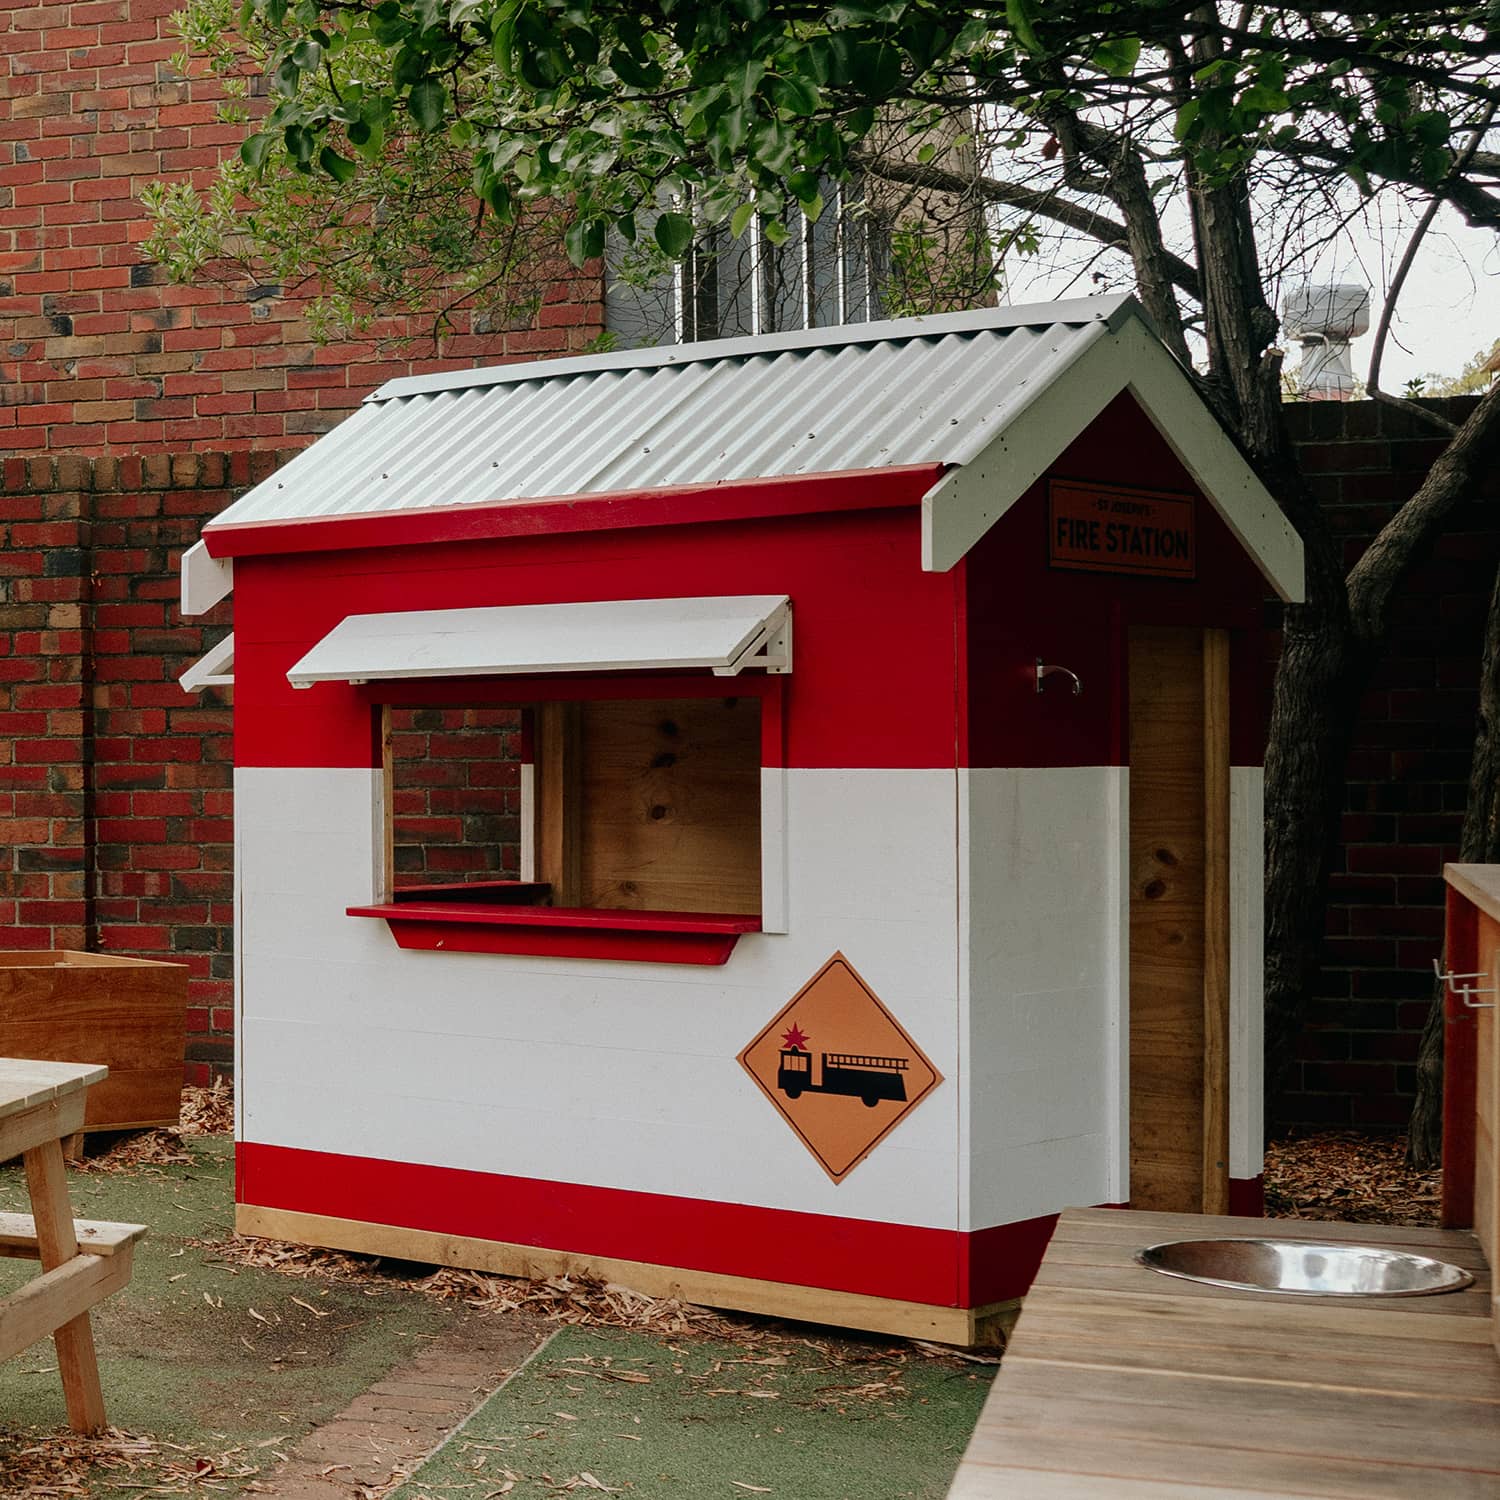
[(873, 395)]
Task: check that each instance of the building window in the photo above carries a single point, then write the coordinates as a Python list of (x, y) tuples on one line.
[(824, 274)]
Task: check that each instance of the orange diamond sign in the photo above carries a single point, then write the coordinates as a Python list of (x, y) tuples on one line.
[(840, 1067)]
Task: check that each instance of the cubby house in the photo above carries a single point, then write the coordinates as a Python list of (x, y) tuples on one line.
[(874, 740)]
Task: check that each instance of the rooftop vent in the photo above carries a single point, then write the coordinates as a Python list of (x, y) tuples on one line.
[(1323, 319)]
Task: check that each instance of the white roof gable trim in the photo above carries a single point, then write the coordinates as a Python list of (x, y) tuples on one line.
[(723, 634), (974, 494)]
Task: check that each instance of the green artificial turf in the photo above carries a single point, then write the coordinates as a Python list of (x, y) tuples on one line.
[(216, 1358), (684, 1418)]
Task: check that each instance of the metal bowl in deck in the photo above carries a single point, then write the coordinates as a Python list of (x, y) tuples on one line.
[(1304, 1268)]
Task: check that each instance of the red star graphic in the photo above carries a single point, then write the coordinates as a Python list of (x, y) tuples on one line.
[(794, 1039)]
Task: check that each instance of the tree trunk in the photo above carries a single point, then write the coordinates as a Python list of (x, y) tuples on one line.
[(1479, 843), (1307, 746)]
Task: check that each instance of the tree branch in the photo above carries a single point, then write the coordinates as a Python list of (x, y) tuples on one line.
[(1393, 293), (1375, 577), (1032, 200)]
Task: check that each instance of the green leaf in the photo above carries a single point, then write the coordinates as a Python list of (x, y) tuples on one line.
[(340, 168), (389, 28), (287, 77), (741, 220), (1019, 17), (306, 54), (795, 95), (299, 144), (428, 101), (1118, 56), (584, 240), (1186, 118), (254, 149), (1265, 99), (674, 233)]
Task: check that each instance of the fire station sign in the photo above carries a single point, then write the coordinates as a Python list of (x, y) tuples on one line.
[(839, 1067), (1105, 530)]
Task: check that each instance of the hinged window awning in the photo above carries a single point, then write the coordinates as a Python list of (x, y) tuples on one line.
[(724, 634)]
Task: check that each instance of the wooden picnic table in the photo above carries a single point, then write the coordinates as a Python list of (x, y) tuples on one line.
[(81, 1262), (1118, 1381)]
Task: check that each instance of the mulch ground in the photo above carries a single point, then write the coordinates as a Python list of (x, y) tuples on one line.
[(1344, 1175), (1349, 1175)]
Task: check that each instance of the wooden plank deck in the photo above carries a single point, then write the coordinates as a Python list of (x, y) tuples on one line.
[(1119, 1382)]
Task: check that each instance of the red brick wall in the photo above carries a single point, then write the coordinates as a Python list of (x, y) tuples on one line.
[(1407, 776), (97, 354), (456, 794), (115, 785)]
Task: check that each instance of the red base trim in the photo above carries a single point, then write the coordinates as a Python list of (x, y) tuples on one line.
[(1002, 1262), (939, 1267), (672, 505), (1247, 1197), (656, 937)]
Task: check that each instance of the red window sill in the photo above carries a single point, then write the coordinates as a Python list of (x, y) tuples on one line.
[(654, 937)]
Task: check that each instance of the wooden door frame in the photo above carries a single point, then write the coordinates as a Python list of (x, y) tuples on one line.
[(1217, 910), (1216, 921)]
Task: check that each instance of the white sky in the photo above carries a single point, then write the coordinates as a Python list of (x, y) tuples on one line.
[(1449, 309)]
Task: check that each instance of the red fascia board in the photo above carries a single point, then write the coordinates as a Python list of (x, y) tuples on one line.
[(673, 505)]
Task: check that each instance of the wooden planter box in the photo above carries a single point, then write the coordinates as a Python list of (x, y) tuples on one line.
[(127, 1013)]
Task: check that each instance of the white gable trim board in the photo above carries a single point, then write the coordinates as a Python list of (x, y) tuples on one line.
[(975, 494)]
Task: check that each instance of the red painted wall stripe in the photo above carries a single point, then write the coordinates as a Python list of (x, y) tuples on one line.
[(939, 1267), (1460, 1066), (875, 636), (674, 505)]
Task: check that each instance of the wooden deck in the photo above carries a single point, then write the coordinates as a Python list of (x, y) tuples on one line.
[(1121, 1382)]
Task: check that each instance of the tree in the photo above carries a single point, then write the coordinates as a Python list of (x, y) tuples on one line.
[(1210, 148), (1475, 377)]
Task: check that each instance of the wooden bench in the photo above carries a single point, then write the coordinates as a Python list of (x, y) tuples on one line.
[(82, 1263), (1119, 1382)]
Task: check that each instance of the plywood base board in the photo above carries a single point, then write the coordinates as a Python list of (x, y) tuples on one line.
[(947, 1325)]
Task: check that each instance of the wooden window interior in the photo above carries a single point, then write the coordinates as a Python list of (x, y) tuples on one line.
[(650, 805)]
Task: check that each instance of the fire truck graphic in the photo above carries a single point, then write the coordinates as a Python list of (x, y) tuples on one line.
[(857, 1075)]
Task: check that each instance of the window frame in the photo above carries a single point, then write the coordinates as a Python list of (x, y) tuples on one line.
[(579, 932)]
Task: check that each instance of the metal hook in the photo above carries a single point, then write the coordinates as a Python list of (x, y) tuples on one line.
[(1043, 671), (1465, 992)]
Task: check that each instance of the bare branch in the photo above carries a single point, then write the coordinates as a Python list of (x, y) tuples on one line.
[(1045, 204), (1393, 293)]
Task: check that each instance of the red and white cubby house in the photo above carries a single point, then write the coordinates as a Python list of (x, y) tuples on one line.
[(848, 941)]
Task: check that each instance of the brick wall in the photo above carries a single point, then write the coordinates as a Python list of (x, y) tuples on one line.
[(456, 794), (115, 827), (97, 353), (1407, 776)]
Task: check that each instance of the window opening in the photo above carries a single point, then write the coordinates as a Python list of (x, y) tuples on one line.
[(649, 805)]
